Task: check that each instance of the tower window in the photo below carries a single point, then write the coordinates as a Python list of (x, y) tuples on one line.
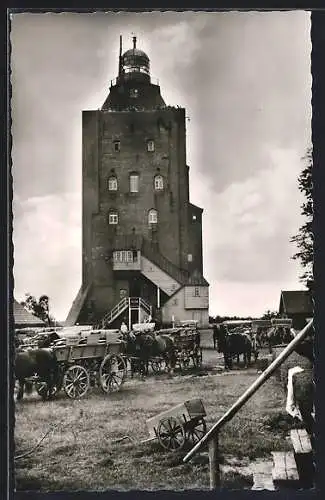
[(117, 146), (134, 93), (194, 217), (196, 292), (112, 183), (151, 146), (113, 217), (159, 182), (189, 257), (153, 216), (134, 183)]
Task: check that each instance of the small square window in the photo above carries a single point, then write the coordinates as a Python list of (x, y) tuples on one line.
[(117, 146), (113, 218), (193, 217), (150, 146)]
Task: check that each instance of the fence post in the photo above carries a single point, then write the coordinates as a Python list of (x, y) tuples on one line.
[(214, 462)]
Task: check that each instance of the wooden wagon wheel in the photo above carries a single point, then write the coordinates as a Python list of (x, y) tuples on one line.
[(196, 430), (112, 373), (171, 434), (76, 381)]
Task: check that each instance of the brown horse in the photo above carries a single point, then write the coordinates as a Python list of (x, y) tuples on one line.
[(234, 344), (41, 363), (147, 345)]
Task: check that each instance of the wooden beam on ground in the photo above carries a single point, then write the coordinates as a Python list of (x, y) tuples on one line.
[(284, 471), (300, 441)]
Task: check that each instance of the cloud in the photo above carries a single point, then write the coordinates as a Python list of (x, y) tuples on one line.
[(250, 224), (47, 249)]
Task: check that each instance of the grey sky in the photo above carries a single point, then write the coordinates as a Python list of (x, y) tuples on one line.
[(245, 81)]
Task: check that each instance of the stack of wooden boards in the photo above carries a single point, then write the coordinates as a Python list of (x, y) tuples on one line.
[(294, 468)]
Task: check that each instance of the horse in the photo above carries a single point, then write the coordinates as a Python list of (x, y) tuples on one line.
[(147, 345), (234, 344), (40, 362)]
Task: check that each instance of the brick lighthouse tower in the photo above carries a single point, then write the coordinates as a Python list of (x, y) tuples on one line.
[(142, 238)]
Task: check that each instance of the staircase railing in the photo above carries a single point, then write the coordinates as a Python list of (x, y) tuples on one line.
[(153, 254), (211, 438), (127, 302), (145, 306), (115, 312)]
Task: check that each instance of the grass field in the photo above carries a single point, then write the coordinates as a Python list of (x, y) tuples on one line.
[(82, 453)]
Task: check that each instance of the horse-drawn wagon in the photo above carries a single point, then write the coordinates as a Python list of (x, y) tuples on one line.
[(96, 360), (79, 363), (187, 344), (184, 423)]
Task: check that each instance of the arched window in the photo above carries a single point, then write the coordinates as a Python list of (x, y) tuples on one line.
[(112, 183), (153, 216), (159, 182), (113, 217)]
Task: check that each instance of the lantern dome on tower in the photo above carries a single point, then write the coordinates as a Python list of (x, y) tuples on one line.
[(135, 64)]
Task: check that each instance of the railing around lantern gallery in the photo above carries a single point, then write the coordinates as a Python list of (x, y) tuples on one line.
[(153, 80), (211, 438)]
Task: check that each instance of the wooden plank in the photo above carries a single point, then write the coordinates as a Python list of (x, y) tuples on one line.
[(263, 481), (291, 467), (300, 441), (284, 469)]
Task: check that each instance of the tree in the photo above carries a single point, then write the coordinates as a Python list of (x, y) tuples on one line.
[(304, 238), (270, 314), (39, 308)]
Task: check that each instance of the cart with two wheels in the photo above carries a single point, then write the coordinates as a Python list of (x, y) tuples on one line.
[(184, 423)]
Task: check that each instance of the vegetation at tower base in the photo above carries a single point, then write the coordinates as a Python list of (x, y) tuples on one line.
[(304, 238), (39, 308)]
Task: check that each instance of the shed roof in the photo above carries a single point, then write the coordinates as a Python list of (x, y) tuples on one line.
[(296, 302), (22, 317)]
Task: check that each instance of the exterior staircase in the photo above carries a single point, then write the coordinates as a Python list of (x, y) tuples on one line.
[(126, 304), (151, 252)]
